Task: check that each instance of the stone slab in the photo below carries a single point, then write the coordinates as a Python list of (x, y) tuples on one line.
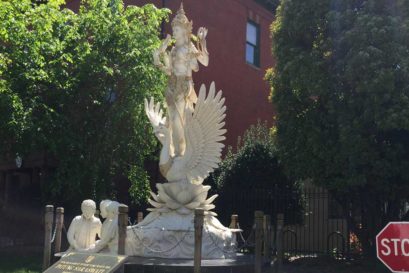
[(92, 263)]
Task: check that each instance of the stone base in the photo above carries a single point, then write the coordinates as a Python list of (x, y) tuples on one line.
[(171, 235), (240, 264)]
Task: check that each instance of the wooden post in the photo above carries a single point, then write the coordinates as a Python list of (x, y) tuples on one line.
[(198, 223), (267, 238), (59, 222), (48, 226), (139, 217), (122, 224), (258, 219), (279, 241), (234, 221)]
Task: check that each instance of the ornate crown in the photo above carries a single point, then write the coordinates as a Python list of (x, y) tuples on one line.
[(182, 21)]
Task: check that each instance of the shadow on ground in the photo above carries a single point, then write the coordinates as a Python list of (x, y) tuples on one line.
[(331, 265)]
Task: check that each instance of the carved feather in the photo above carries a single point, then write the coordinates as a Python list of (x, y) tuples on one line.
[(204, 133)]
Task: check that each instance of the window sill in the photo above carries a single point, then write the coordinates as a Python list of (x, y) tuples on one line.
[(253, 66)]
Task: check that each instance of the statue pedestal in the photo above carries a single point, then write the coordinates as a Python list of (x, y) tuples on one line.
[(171, 235), (240, 264)]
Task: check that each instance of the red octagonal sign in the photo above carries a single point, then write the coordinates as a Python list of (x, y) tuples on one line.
[(392, 246)]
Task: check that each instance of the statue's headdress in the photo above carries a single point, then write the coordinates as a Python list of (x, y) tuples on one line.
[(182, 21)]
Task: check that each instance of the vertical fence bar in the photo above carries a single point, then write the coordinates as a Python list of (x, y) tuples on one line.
[(139, 217), (122, 224), (323, 220), (279, 242), (314, 215), (267, 238), (258, 219), (327, 219), (48, 226), (348, 224), (198, 223), (305, 216), (59, 222)]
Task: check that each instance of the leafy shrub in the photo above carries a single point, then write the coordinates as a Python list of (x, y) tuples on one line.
[(251, 178)]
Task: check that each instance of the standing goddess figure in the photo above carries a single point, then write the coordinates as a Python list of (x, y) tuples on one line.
[(178, 64)]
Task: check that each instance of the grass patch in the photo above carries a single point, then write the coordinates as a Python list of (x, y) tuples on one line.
[(20, 261)]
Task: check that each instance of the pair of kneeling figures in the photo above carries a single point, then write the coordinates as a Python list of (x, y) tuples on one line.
[(84, 229)]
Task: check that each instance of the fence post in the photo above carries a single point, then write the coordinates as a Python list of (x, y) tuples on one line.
[(139, 217), (234, 221), (198, 223), (48, 226), (267, 238), (279, 241), (122, 224), (59, 222), (258, 219)]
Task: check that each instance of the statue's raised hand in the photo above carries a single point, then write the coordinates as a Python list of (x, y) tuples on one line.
[(165, 43), (202, 33), (154, 113), (157, 119)]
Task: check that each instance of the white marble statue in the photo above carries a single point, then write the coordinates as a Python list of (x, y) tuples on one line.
[(190, 133), (103, 208), (84, 228), (109, 230), (203, 132), (178, 64)]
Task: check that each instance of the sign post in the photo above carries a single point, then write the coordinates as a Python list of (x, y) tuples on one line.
[(392, 246)]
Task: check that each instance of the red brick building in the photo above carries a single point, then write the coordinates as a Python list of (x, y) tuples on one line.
[(239, 44)]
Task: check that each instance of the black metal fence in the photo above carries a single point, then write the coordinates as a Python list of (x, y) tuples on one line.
[(314, 224), (323, 229)]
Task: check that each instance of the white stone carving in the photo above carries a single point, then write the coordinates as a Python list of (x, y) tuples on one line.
[(171, 235), (191, 135), (178, 64), (185, 173), (84, 228), (109, 231)]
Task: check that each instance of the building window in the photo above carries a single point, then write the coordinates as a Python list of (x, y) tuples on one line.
[(253, 44)]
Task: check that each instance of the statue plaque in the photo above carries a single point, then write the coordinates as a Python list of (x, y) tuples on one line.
[(91, 263)]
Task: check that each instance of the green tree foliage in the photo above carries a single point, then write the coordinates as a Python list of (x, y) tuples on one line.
[(251, 178), (73, 85), (341, 88)]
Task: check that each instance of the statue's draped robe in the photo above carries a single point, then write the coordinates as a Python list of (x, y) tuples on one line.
[(109, 236)]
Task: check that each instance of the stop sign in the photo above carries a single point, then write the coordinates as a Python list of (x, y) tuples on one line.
[(392, 246)]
